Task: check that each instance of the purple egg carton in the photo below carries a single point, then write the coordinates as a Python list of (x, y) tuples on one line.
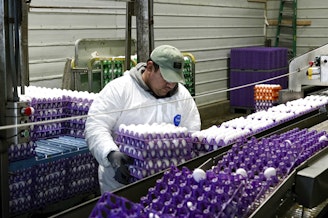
[(206, 145), (47, 114), (258, 58), (111, 205), (20, 182), (21, 190), (78, 133), (144, 147), (144, 154), (46, 130), (87, 184), (21, 204), (86, 168), (177, 194), (22, 151), (145, 140), (56, 108), (141, 169), (44, 103)]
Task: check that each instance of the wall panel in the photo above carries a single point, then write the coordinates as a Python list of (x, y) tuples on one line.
[(308, 37), (206, 28)]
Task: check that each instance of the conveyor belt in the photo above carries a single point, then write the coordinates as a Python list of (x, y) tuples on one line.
[(323, 126), (140, 188)]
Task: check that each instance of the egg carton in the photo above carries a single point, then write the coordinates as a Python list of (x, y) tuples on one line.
[(148, 141), (210, 144), (144, 154), (21, 151), (111, 205), (141, 169)]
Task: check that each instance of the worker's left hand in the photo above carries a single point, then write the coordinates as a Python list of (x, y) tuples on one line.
[(120, 162), (122, 174)]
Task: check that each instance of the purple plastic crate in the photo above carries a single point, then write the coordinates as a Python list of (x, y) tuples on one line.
[(258, 58), (244, 97)]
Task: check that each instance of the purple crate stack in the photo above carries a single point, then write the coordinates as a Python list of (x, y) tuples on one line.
[(252, 64), (82, 173), (153, 152), (21, 190), (76, 107), (46, 109)]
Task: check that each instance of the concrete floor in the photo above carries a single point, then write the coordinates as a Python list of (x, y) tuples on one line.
[(217, 113)]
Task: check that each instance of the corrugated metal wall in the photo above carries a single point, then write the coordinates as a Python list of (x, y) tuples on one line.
[(308, 37), (208, 29), (54, 26)]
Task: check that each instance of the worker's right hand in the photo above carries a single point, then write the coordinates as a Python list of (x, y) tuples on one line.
[(120, 162)]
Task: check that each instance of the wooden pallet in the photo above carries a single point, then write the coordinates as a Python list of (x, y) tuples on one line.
[(241, 110)]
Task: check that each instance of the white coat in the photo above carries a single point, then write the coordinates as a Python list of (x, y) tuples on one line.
[(126, 100)]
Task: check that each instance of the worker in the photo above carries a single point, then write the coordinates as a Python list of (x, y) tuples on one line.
[(149, 93)]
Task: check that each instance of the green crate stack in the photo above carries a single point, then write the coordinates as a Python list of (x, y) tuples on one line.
[(113, 67), (188, 72)]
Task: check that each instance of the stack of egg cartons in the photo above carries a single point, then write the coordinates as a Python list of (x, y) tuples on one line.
[(154, 147), (55, 163), (266, 96), (76, 105)]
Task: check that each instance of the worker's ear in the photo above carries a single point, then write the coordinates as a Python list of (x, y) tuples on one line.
[(150, 65)]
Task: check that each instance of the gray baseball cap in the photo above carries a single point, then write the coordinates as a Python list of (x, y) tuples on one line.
[(170, 61)]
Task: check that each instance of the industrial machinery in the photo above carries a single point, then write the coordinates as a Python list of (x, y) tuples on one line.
[(309, 69), (31, 151)]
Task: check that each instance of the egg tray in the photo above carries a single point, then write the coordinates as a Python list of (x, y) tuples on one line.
[(144, 154), (146, 140), (206, 144), (141, 169), (22, 151), (143, 148), (44, 103), (111, 205)]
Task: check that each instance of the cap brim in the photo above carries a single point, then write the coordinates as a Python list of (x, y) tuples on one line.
[(172, 76)]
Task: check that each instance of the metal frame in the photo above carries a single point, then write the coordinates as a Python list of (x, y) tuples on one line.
[(300, 65)]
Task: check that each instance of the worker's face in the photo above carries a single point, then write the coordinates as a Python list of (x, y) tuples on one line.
[(157, 83)]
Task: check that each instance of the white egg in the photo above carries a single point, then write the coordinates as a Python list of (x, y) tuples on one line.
[(189, 204), (122, 127), (198, 174), (242, 172), (323, 138), (288, 141), (269, 172), (159, 143)]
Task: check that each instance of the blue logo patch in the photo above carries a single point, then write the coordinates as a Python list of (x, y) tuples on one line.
[(177, 120)]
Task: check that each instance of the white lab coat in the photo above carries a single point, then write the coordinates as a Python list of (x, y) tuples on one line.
[(125, 101)]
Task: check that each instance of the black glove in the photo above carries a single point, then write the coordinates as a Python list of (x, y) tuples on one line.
[(120, 163)]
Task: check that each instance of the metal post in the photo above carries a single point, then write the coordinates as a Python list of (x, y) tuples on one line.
[(128, 27), (142, 20), (5, 92), (25, 76), (151, 25)]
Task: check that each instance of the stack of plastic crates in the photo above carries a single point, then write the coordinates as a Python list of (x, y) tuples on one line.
[(189, 73), (102, 70)]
